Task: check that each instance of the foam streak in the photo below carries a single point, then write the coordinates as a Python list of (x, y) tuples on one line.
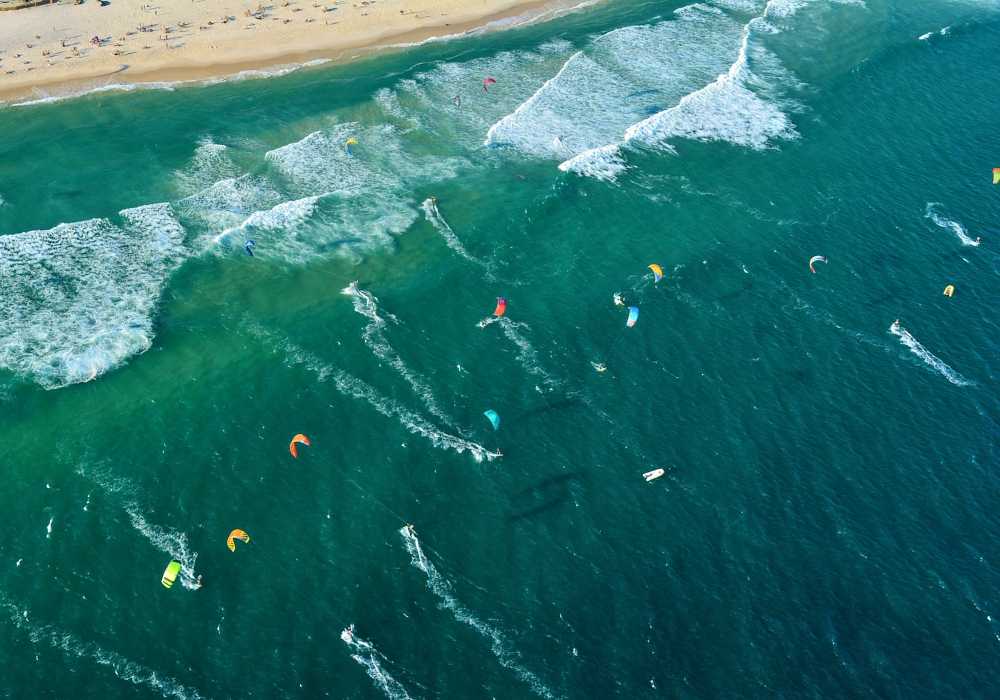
[(947, 223), (930, 360), (443, 590), (366, 304), (123, 668), (366, 655), (353, 387)]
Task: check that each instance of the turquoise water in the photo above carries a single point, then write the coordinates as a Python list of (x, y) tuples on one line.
[(827, 526)]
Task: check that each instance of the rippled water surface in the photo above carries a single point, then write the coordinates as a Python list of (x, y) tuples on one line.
[(827, 523)]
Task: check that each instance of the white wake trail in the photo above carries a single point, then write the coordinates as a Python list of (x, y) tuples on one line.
[(350, 385), (947, 223), (450, 239), (167, 540), (124, 669), (443, 590), (929, 359), (366, 655), (366, 304)]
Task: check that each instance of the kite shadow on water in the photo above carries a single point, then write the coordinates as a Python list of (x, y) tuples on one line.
[(547, 495)]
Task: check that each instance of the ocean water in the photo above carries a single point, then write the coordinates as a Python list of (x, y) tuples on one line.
[(828, 523)]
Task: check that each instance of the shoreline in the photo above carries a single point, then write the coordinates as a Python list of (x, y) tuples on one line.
[(269, 53)]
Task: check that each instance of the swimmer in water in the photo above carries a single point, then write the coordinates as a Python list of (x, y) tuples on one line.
[(601, 368)]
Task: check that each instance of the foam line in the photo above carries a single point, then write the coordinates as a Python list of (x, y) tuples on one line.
[(366, 655), (442, 589), (725, 110), (366, 304), (947, 223), (124, 669), (79, 298), (351, 386), (623, 76), (929, 359), (210, 164)]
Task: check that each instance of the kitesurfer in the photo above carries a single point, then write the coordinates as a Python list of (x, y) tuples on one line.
[(199, 581), (619, 299)]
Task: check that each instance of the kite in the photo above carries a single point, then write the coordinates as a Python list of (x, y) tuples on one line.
[(170, 575), (494, 418), (633, 316), (237, 535), (298, 438), (816, 259)]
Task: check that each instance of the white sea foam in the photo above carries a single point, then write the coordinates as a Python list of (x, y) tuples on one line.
[(621, 78), (367, 198), (602, 163), (740, 5), (320, 163), (426, 99), (227, 203), (210, 164), (947, 223), (353, 387), (502, 648), (930, 360), (128, 671), (726, 110), (366, 304), (79, 298), (366, 655)]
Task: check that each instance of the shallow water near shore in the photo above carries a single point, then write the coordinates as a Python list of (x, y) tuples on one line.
[(827, 524)]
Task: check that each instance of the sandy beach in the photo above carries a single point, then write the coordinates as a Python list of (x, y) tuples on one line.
[(64, 44)]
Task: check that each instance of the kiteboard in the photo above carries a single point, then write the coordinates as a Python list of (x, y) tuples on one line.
[(655, 474)]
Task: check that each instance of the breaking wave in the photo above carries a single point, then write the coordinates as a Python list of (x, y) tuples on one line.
[(79, 298)]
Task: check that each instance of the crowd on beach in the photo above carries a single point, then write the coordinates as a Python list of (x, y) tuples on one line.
[(61, 46)]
